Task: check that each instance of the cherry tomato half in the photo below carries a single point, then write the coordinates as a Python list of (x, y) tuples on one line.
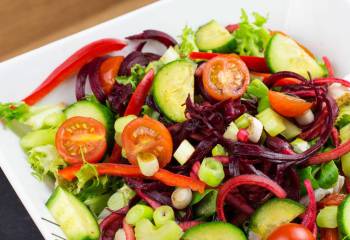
[(291, 231), (225, 77), (147, 135), (108, 70), (287, 105), (81, 138)]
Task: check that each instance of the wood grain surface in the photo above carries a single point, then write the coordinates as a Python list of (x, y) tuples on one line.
[(29, 24)]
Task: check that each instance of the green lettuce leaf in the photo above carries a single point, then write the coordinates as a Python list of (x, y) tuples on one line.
[(11, 111), (147, 110), (251, 37), (137, 73), (45, 160), (188, 42)]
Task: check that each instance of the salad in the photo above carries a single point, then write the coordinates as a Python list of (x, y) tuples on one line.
[(235, 132)]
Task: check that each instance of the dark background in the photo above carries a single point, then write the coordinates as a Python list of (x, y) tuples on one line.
[(15, 223)]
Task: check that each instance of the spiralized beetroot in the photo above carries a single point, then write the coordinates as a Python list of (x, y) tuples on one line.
[(273, 78), (248, 150), (151, 34), (311, 211), (81, 82), (119, 96), (112, 223), (91, 71)]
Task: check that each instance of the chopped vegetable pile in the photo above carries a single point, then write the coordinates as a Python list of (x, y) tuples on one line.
[(235, 132)]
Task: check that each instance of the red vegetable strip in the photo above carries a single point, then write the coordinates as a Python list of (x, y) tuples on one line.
[(72, 64), (232, 27), (138, 98), (68, 173), (257, 64), (335, 137), (330, 155), (263, 76), (328, 66), (116, 154), (154, 204), (177, 180), (194, 170), (322, 81), (248, 179), (310, 215), (287, 81), (124, 170), (239, 202), (188, 224), (129, 231)]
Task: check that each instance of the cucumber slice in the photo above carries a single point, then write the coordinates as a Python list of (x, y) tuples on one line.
[(213, 36), (343, 217), (284, 54), (172, 85), (214, 231), (274, 213), (73, 216), (94, 110)]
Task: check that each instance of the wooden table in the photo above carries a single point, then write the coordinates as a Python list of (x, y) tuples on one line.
[(29, 24)]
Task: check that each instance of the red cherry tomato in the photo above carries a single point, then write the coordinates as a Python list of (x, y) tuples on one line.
[(108, 70), (287, 105), (147, 135), (81, 138), (225, 77), (291, 231)]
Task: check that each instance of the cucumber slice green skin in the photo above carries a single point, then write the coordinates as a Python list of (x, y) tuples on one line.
[(74, 218), (274, 213), (284, 54), (214, 37), (172, 85), (343, 218), (214, 231), (94, 110)]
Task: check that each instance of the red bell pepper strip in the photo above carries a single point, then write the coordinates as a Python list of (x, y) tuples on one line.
[(138, 98), (232, 27), (330, 155), (287, 81), (72, 64), (328, 66), (257, 64), (248, 179), (124, 170), (335, 137), (311, 211), (116, 154)]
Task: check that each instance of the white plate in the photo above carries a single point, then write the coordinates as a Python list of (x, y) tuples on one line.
[(318, 24)]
